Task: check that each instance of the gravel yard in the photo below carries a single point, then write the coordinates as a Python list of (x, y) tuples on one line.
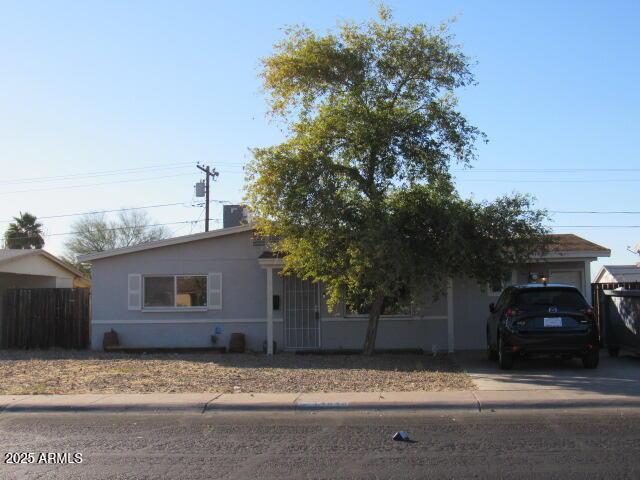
[(42, 372)]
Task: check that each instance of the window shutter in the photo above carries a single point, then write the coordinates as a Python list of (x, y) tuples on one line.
[(135, 291), (214, 300)]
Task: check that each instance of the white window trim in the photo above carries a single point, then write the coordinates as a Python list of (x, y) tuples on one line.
[(175, 308), (493, 293)]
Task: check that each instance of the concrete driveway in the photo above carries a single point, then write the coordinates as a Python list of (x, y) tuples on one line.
[(613, 376)]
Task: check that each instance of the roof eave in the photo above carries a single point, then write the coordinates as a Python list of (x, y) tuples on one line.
[(577, 254), (165, 243), (62, 264), (48, 256)]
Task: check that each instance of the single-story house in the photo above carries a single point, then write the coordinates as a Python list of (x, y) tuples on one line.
[(36, 268), (618, 274), (196, 290)]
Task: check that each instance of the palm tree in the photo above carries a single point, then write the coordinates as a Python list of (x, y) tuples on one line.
[(24, 233)]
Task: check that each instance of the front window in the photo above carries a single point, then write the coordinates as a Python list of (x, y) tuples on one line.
[(175, 291), (191, 291)]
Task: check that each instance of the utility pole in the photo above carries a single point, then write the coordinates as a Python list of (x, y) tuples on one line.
[(209, 173)]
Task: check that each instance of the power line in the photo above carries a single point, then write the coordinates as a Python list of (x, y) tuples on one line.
[(534, 170), (594, 226), (92, 212), (96, 184), (597, 212), (512, 180), (64, 187), (116, 228), (124, 171)]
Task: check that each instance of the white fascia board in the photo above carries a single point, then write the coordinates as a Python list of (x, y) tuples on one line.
[(578, 254), (270, 262), (166, 243)]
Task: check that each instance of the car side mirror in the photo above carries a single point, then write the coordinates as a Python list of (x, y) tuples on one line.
[(492, 308)]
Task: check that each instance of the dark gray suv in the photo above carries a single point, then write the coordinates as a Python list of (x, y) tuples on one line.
[(542, 319)]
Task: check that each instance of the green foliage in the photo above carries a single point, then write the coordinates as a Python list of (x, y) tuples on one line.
[(25, 232), (360, 194)]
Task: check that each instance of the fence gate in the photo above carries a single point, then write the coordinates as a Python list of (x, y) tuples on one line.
[(598, 300), (45, 317), (301, 314)]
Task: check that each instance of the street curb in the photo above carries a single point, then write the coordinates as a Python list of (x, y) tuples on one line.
[(467, 401), (341, 406)]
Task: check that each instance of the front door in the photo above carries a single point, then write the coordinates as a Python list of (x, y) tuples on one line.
[(301, 314)]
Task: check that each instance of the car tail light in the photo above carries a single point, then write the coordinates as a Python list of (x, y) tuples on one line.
[(512, 312), (589, 313)]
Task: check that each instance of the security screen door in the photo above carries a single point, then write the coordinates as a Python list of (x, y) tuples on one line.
[(301, 314)]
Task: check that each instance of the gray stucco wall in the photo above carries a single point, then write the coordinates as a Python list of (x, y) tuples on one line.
[(392, 333), (244, 304), (185, 333), (243, 294), (243, 280)]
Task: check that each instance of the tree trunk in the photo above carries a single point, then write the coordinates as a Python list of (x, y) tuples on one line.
[(372, 328)]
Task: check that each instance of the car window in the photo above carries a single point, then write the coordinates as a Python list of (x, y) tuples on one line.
[(557, 297)]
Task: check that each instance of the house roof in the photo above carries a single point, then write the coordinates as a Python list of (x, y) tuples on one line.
[(10, 255), (564, 245), (620, 273), (568, 242), (7, 254), (221, 232)]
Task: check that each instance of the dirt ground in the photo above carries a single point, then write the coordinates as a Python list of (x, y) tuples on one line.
[(64, 372)]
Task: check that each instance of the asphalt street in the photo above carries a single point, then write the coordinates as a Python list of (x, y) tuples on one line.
[(534, 444)]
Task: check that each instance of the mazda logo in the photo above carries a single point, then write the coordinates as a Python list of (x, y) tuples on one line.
[(553, 309)]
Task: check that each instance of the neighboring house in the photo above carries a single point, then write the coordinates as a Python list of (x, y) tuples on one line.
[(618, 274), (182, 291), (36, 269)]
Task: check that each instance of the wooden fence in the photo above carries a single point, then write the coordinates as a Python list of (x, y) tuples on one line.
[(45, 318), (597, 300)]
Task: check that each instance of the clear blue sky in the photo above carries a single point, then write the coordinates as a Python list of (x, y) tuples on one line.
[(98, 86)]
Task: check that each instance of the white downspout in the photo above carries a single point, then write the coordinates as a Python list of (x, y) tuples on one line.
[(587, 280), (269, 311), (450, 335)]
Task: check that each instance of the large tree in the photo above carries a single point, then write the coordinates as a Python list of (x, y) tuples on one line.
[(25, 232), (97, 233), (360, 194)]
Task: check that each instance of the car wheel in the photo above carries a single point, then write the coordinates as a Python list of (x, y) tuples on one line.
[(505, 359), (591, 359), (492, 355), (614, 351)]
